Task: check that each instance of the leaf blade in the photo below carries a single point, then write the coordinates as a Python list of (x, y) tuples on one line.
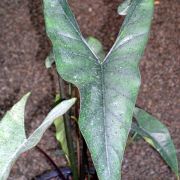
[(157, 136), (13, 140), (61, 136), (9, 140)]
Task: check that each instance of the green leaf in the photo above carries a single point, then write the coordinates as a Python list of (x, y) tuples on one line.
[(157, 135), (13, 141), (61, 135), (96, 47), (123, 8), (49, 60), (108, 88)]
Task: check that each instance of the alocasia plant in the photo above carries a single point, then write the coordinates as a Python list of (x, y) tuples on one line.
[(108, 88)]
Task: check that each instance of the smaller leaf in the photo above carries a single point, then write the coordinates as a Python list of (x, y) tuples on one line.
[(96, 46), (49, 60), (61, 135), (157, 135), (123, 8), (13, 141)]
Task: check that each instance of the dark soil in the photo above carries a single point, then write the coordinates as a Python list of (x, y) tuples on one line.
[(24, 47)]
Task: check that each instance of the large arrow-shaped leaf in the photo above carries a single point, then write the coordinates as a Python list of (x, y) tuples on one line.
[(13, 140), (108, 89)]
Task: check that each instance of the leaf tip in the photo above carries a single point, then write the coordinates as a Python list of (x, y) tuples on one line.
[(27, 95), (73, 100)]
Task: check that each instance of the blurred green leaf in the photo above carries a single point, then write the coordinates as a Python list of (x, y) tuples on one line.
[(157, 135), (13, 141)]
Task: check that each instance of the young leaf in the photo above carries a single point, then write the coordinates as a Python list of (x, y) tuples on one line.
[(13, 141), (61, 135), (96, 47), (60, 131), (157, 135), (49, 60), (108, 89), (123, 8)]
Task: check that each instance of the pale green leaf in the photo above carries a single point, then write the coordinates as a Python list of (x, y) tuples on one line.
[(13, 140), (108, 88)]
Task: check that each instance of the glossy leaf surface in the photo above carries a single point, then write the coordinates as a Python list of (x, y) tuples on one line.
[(108, 88), (157, 135), (13, 141)]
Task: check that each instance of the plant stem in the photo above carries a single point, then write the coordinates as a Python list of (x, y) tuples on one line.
[(134, 136), (67, 126), (52, 162)]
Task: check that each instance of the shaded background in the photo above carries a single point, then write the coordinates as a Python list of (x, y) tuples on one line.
[(24, 47)]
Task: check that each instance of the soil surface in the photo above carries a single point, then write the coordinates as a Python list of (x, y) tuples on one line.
[(24, 47)]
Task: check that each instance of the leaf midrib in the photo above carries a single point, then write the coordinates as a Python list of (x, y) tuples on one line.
[(104, 118)]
